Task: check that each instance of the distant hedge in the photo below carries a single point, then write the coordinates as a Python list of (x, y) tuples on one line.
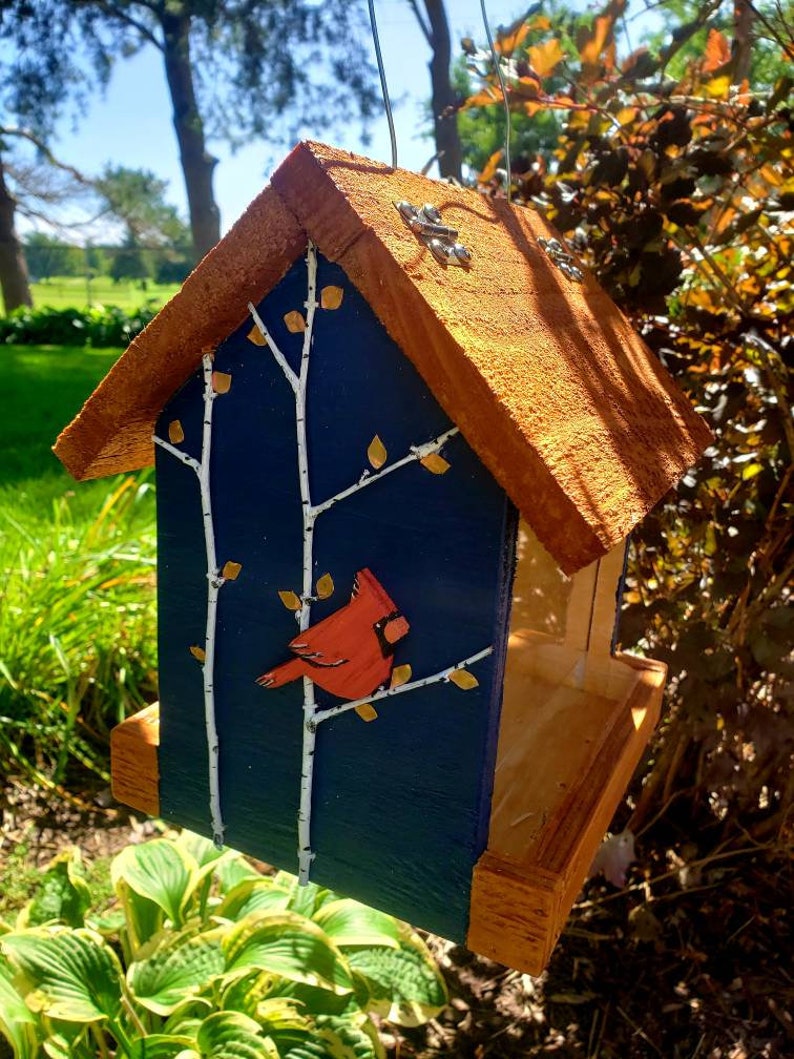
[(73, 327)]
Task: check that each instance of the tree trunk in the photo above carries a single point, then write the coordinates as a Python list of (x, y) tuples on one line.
[(444, 102), (13, 270), (742, 47), (197, 163)]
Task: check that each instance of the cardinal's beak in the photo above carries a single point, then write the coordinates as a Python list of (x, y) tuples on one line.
[(265, 680)]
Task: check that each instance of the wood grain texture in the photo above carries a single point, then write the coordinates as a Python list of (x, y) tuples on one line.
[(523, 890), (400, 812), (551, 387), (134, 768)]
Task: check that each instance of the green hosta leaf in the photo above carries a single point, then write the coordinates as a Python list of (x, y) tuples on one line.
[(251, 895), (174, 967), (404, 984), (159, 871), (289, 945), (232, 871), (162, 1046), (244, 990), (144, 918), (73, 975), (62, 895), (17, 1022), (231, 1035), (202, 850), (347, 922), (187, 1017), (305, 900), (349, 1038)]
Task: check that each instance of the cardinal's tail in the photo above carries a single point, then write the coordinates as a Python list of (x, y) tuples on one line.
[(283, 674)]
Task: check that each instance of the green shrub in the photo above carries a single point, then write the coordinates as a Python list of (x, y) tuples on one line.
[(102, 326), (204, 956), (77, 630)]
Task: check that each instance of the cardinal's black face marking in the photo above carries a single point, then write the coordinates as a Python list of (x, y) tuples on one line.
[(387, 648)]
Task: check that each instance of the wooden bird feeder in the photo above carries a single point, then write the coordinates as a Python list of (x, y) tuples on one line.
[(401, 437)]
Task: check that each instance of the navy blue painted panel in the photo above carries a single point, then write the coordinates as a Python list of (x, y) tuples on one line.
[(398, 811)]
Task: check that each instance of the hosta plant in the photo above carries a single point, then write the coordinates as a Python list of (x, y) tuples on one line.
[(203, 956)]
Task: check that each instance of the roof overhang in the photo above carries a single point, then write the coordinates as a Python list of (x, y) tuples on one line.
[(548, 382)]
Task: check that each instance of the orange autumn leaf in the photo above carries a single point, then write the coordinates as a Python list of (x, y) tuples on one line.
[(544, 57), (489, 170), (718, 51), (367, 712)]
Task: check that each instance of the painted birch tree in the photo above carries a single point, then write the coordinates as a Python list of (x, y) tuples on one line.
[(428, 454)]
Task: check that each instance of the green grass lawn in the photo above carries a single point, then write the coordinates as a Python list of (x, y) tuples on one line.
[(77, 626), (70, 292)]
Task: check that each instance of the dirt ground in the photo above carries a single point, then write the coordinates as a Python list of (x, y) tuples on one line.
[(692, 959)]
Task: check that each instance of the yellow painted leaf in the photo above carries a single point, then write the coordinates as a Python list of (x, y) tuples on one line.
[(325, 586), (294, 321), (463, 679), (376, 453), (256, 336), (290, 600), (434, 463), (367, 711), (198, 653), (400, 675), (221, 381), (231, 570), (331, 297), (175, 432)]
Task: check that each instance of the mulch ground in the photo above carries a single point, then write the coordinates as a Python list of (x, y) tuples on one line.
[(693, 959)]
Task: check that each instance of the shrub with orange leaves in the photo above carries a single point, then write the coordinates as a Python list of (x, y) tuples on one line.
[(679, 193)]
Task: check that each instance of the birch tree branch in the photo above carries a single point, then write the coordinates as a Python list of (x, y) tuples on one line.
[(281, 360), (443, 674)]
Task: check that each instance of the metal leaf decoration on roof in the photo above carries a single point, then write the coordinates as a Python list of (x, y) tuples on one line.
[(290, 600), (376, 453), (176, 434), (325, 586), (198, 652), (400, 675), (231, 570), (294, 321), (256, 336), (221, 381), (435, 464), (463, 679), (367, 711), (331, 297)]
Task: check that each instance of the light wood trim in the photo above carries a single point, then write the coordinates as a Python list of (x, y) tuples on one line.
[(134, 768), (522, 891)]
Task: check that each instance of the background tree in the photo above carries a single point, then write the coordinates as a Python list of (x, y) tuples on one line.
[(136, 199), (445, 97), (234, 68), (676, 185), (37, 76)]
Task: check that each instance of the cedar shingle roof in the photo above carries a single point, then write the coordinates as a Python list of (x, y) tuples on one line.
[(548, 382)]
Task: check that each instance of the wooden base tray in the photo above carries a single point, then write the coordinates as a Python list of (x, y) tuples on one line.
[(566, 754)]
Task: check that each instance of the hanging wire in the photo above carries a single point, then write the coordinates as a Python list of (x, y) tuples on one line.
[(383, 85), (499, 74)]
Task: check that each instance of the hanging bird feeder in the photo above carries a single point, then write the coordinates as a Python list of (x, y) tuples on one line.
[(401, 437)]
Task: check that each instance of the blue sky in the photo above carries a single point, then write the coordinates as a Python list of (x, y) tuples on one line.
[(131, 125)]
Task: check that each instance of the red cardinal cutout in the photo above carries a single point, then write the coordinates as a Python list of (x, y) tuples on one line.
[(351, 652)]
